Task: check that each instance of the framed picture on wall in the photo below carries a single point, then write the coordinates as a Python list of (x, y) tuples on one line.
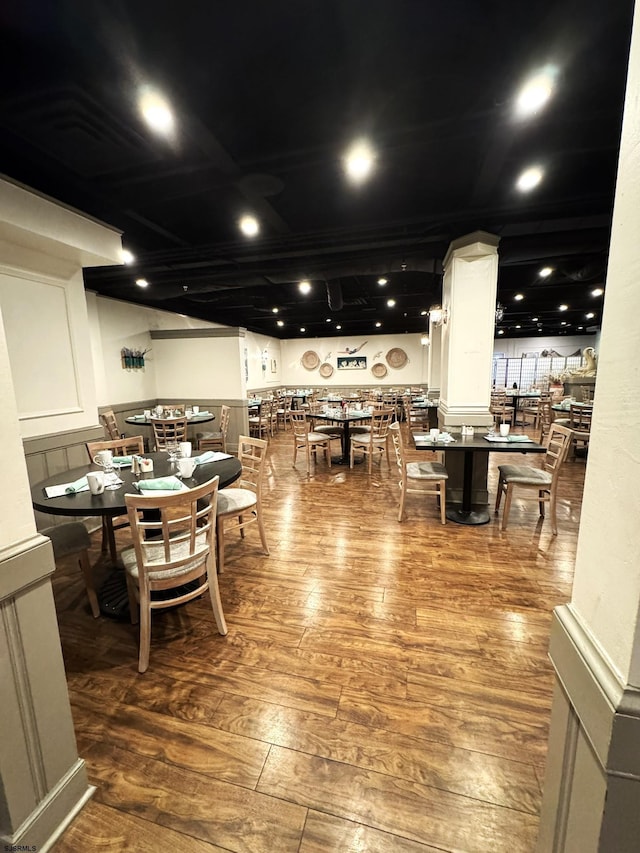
[(352, 362), (274, 366)]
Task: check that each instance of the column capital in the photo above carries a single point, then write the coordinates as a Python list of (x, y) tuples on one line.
[(473, 245)]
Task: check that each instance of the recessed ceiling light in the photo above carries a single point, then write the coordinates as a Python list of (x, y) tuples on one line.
[(142, 282), (590, 315), (519, 297), (580, 328), (534, 319), (280, 322), (156, 111), (304, 286), (529, 179), (338, 327), (358, 161), (545, 272), (423, 313), (597, 292), (378, 324), (382, 282), (536, 92), (249, 225), (391, 303), (518, 327), (501, 331), (328, 320), (563, 323), (275, 310), (563, 307), (302, 329), (127, 257)]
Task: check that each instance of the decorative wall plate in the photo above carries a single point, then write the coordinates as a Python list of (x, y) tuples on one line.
[(397, 358), (326, 370), (379, 370), (310, 359)]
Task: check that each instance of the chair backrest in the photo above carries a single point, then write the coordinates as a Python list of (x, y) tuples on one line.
[(119, 447), (169, 431), (580, 418), (558, 443), (178, 533), (398, 445), (299, 423), (225, 412), (380, 422), (110, 424), (252, 453)]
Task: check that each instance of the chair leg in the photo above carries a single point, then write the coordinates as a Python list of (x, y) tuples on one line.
[(402, 497), (370, 455), (220, 544), (499, 493), (442, 488), (85, 568), (216, 603), (541, 502), (507, 506), (328, 453), (552, 513), (263, 535), (145, 635)]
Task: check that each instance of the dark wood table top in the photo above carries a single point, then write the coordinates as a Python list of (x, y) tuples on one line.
[(140, 420), (340, 416), (112, 502), (479, 442)]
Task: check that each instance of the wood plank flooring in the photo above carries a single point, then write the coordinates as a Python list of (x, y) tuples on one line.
[(384, 687)]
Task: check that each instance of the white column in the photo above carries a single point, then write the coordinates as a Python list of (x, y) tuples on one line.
[(469, 300), (434, 370), (592, 784)]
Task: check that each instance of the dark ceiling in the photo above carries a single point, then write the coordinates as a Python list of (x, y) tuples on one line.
[(266, 98)]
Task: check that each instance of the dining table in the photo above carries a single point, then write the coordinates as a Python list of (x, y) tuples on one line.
[(111, 503), (473, 446), (346, 418), (192, 420)]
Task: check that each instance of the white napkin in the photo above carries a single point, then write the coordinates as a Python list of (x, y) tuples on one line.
[(80, 485)]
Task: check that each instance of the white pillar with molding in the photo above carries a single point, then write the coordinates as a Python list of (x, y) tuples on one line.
[(592, 783), (468, 301)]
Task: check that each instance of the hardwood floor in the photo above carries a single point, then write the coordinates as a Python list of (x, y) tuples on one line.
[(382, 687)]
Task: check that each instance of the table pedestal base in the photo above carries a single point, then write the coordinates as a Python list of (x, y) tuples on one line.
[(471, 516)]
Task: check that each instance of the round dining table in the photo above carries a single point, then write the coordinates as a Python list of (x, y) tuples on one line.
[(192, 420), (112, 596)]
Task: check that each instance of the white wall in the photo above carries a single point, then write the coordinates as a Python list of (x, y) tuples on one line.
[(189, 369), (263, 354), (374, 348)]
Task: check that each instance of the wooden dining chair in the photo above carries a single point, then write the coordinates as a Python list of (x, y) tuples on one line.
[(110, 423), (419, 477), (306, 439), (168, 432), (259, 420), (542, 481), (72, 539), (173, 557), (580, 426), (500, 408), (216, 440), (133, 444), (242, 501), (376, 441)]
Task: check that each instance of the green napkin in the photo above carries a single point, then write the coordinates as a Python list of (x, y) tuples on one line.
[(122, 460), (515, 438), (167, 484), (207, 456)]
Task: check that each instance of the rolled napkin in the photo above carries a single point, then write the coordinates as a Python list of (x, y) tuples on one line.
[(80, 485), (165, 484), (122, 460), (207, 456), (516, 438)]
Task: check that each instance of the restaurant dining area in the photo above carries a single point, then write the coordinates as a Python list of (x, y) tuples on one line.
[(319, 528)]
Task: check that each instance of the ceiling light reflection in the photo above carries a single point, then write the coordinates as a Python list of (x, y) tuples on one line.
[(249, 226), (358, 161), (536, 92), (156, 111), (529, 179)]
